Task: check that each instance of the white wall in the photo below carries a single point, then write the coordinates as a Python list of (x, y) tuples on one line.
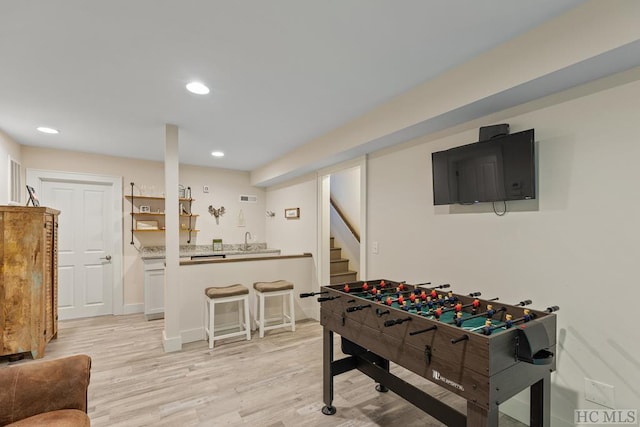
[(578, 249), (8, 147)]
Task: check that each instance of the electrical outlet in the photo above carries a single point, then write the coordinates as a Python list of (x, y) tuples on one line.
[(600, 393), (374, 247), (205, 188)]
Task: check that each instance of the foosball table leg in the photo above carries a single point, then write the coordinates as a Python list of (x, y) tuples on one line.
[(384, 365), (327, 374), (480, 416), (541, 403)]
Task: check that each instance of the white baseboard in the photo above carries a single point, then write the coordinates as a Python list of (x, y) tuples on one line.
[(519, 409), (192, 335), (133, 308), (171, 344)]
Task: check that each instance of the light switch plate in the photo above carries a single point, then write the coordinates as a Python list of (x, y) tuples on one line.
[(205, 188)]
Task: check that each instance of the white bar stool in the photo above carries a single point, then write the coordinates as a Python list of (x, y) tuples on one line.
[(220, 295), (274, 289)]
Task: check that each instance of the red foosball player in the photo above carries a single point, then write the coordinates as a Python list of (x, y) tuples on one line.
[(434, 294), (389, 301), (475, 305), (438, 312), (458, 307), (412, 298), (382, 284), (365, 286), (400, 287), (346, 288), (374, 290), (401, 300), (423, 296)]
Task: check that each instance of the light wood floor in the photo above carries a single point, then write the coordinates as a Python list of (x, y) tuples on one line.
[(273, 381)]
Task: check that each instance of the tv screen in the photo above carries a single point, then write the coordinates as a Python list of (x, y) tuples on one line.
[(498, 169)]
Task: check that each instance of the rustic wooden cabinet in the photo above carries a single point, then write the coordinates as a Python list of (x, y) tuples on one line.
[(28, 279)]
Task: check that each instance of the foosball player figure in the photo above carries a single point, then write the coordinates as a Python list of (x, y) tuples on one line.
[(526, 315), (412, 298), (508, 321), (429, 303), (475, 304), (490, 311), (438, 312), (419, 306), (434, 294), (441, 300), (458, 307), (405, 306), (379, 297), (451, 298), (365, 287), (423, 295), (346, 288), (382, 284), (389, 301), (458, 318), (400, 287), (487, 327), (400, 300)]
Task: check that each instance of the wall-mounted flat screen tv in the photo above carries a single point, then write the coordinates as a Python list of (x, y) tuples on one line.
[(499, 169)]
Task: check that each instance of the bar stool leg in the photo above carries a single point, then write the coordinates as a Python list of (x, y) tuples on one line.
[(262, 298), (292, 312), (212, 314), (247, 324)]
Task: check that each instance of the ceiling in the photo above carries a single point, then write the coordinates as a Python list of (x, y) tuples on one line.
[(110, 74)]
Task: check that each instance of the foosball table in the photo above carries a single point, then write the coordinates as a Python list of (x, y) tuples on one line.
[(483, 350)]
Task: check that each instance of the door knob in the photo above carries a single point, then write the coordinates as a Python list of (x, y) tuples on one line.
[(108, 257)]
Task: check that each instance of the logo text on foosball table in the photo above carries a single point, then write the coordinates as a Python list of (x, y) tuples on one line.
[(438, 377)]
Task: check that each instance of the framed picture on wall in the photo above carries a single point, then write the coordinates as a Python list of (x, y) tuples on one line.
[(33, 198), (292, 213)]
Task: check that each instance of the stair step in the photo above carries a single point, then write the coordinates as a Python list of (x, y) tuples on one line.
[(336, 253), (347, 276), (339, 265)]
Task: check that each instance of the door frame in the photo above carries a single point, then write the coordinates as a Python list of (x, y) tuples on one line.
[(35, 178), (324, 228)]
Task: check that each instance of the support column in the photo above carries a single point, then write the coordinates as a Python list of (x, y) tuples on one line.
[(172, 340)]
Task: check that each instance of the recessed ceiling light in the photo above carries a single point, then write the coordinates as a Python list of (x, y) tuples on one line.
[(45, 129), (217, 154), (197, 88)]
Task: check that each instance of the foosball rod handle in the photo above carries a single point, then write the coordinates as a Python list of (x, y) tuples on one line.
[(523, 303), (552, 309), (323, 299), (311, 294), (462, 338), (421, 331), (475, 294)]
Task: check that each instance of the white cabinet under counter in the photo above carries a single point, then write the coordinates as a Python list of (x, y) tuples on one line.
[(153, 288)]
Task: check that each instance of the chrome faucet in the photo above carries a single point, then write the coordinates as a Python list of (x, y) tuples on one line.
[(246, 245)]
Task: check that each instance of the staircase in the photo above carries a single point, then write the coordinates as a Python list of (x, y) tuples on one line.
[(340, 272)]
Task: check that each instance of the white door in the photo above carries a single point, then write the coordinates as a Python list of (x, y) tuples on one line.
[(85, 246)]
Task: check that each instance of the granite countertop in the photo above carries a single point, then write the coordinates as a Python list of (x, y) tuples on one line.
[(187, 251)]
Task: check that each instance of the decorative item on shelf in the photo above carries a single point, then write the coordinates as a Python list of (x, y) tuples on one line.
[(216, 212), (292, 213), (33, 198), (145, 209), (217, 244), (146, 225), (271, 214), (183, 226), (184, 210), (182, 191)]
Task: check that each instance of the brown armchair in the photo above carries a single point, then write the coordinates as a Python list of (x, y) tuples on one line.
[(45, 393)]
